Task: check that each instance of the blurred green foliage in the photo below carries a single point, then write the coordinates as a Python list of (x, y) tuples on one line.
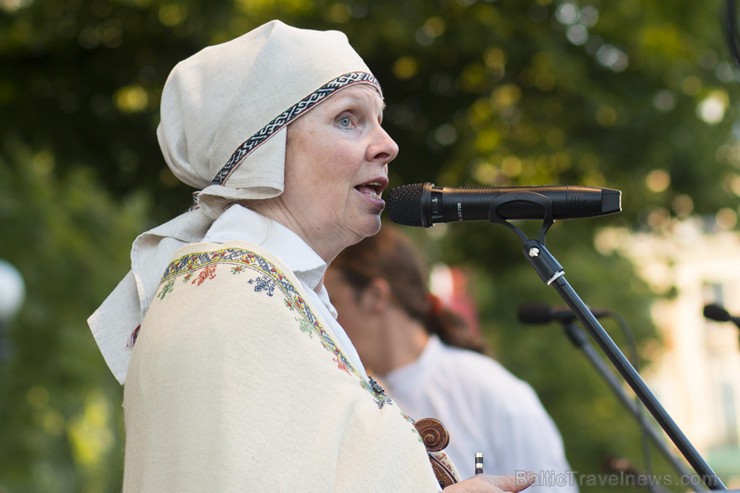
[(632, 95)]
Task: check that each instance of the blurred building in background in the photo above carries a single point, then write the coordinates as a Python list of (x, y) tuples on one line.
[(695, 369)]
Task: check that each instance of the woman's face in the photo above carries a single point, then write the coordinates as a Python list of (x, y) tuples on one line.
[(336, 168)]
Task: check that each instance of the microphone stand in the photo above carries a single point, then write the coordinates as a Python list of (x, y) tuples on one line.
[(579, 339), (552, 274)]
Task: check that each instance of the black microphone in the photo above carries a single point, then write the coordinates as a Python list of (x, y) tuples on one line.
[(718, 313), (542, 313), (423, 204)]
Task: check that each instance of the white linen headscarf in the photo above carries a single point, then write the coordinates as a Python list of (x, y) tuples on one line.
[(224, 114)]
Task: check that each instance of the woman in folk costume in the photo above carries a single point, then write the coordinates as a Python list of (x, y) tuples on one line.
[(237, 375)]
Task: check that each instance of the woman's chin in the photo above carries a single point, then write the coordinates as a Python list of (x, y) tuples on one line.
[(376, 226), (368, 226)]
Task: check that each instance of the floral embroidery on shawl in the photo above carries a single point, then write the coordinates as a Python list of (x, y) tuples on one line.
[(201, 267), (263, 283)]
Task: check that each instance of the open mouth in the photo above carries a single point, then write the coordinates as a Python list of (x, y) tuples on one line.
[(373, 188)]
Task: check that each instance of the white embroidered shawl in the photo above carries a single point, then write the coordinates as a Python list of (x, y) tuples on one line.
[(234, 385)]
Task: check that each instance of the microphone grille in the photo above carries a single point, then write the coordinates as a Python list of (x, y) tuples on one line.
[(404, 204), (716, 312)]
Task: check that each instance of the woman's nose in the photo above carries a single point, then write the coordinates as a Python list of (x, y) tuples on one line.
[(383, 149)]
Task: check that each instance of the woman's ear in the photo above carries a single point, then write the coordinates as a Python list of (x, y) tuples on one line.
[(377, 295)]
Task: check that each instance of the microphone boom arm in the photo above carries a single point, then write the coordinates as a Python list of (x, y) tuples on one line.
[(552, 274), (547, 266), (580, 340)]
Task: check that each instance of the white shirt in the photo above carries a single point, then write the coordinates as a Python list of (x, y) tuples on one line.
[(485, 409), (240, 223)]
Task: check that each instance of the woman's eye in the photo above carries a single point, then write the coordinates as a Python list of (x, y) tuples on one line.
[(345, 121)]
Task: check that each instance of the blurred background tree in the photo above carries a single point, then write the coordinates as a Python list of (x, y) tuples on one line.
[(629, 95)]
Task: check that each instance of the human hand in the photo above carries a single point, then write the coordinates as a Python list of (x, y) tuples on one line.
[(485, 483)]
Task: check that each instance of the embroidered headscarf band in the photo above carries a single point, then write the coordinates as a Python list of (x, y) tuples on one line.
[(287, 117)]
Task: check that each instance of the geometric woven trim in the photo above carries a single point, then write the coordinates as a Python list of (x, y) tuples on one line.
[(288, 116)]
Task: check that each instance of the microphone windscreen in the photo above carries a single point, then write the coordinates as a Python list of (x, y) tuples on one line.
[(716, 313), (534, 313), (404, 204)]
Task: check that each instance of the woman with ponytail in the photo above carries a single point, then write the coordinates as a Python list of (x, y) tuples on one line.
[(433, 365)]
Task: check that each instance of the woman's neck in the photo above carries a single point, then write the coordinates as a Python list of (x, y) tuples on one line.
[(403, 341)]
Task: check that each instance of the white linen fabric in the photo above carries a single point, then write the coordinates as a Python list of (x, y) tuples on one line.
[(235, 385), (485, 409), (224, 114), (240, 223)]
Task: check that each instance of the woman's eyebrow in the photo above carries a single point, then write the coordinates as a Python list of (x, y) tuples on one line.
[(358, 98)]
